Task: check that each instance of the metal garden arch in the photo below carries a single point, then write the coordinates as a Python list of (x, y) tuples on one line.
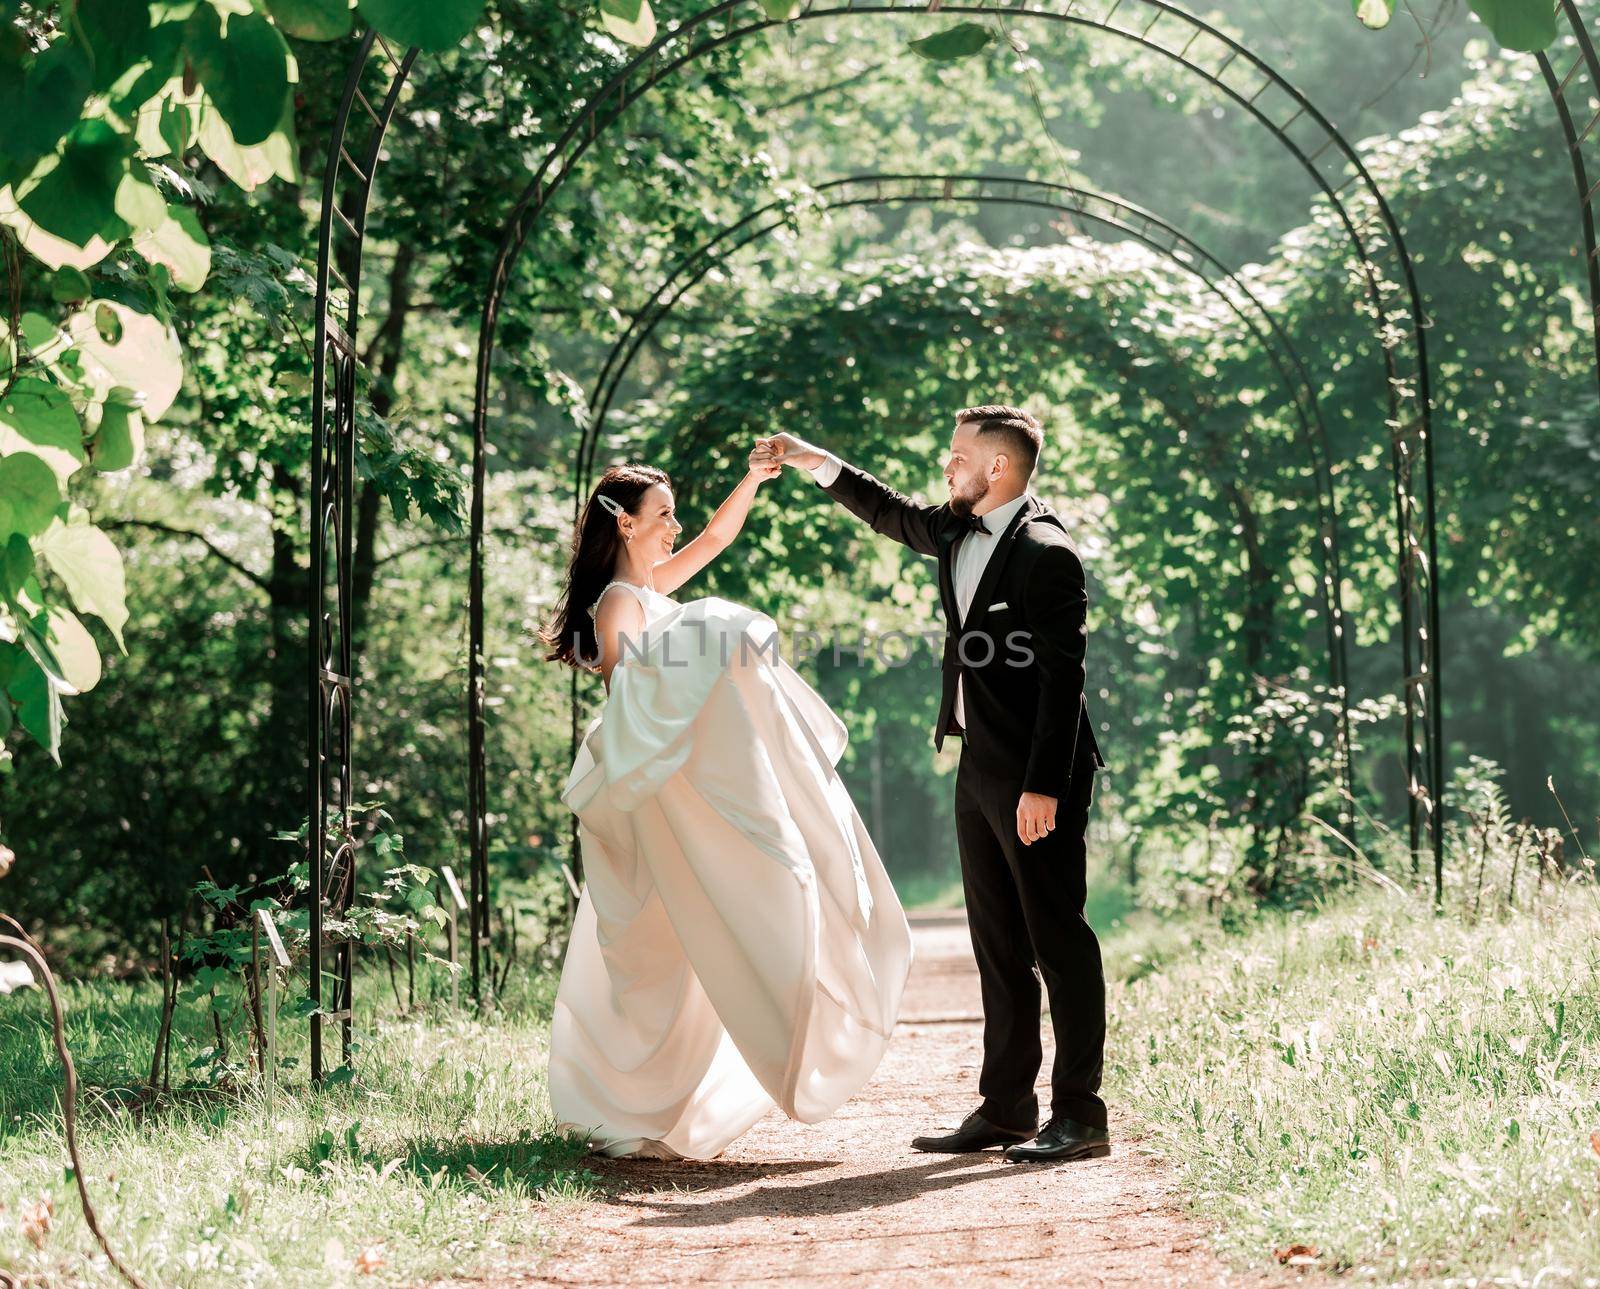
[(1392, 301), (1580, 85), (1110, 212), (1261, 92)]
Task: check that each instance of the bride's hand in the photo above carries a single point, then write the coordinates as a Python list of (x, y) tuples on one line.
[(763, 467), (787, 449)]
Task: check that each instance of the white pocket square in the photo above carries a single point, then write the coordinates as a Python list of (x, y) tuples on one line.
[(1001, 605)]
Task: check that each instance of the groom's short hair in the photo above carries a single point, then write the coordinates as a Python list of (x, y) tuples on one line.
[(1021, 432)]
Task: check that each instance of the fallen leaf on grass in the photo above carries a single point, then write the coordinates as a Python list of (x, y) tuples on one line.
[(369, 1260), (1594, 1141), (1297, 1255), (36, 1221)]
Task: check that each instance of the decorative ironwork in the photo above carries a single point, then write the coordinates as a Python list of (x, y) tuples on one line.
[(1111, 212), (1392, 299), (346, 189), (1378, 250), (1576, 95)]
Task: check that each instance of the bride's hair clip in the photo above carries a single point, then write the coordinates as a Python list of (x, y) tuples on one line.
[(610, 503)]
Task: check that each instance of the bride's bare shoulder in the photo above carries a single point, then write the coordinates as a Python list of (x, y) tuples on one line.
[(617, 609)]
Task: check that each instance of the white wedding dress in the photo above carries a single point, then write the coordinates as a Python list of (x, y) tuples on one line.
[(737, 944)]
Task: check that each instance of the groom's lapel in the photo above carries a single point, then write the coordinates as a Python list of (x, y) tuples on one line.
[(947, 576), (992, 570)]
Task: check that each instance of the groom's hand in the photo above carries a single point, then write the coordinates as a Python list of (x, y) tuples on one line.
[(786, 449), (1036, 816)]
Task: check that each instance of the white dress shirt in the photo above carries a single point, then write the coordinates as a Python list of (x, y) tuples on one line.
[(972, 554)]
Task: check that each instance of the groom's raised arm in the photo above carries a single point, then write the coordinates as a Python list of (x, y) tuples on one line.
[(886, 511)]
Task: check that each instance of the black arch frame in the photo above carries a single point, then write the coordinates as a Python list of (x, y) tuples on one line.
[(1393, 302), (1408, 389), (1110, 212), (1580, 85)]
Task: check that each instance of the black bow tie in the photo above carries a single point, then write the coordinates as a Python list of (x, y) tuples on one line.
[(971, 523)]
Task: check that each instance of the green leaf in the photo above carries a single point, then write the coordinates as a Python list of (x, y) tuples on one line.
[(244, 68), (141, 353), (119, 441), (38, 705), (41, 335), (37, 417), (118, 35), (53, 92), (780, 10), (91, 569), (17, 566), (312, 19), (11, 655), (253, 166), (74, 648), (29, 494), (138, 204), (75, 196), (429, 24), (181, 244), (70, 285), (45, 247), (631, 21), (44, 654), (175, 127), (1373, 13), (161, 66), (1527, 26), (961, 41)]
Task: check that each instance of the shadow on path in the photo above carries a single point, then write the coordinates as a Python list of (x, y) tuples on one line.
[(836, 1195)]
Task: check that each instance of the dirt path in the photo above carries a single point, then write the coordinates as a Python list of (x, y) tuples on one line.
[(849, 1201)]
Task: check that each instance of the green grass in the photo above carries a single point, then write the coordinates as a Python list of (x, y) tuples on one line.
[(1412, 1096), (939, 890), (1109, 902), (439, 1155)]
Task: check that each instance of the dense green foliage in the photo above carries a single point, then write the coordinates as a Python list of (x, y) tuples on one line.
[(126, 116), (862, 329), (159, 179)]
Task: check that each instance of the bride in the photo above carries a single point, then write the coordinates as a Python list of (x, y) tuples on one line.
[(737, 943)]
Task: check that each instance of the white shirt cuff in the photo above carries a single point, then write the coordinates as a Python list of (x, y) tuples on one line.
[(828, 470)]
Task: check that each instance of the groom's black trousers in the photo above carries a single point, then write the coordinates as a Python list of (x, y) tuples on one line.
[(1025, 908)]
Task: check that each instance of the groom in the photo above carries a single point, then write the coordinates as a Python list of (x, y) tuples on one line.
[(1013, 593)]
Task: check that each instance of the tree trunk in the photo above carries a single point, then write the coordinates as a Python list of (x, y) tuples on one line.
[(1260, 593), (1260, 606), (284, 765)]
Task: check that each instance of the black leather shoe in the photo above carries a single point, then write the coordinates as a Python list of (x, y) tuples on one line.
[(975, 1133), (1062, 1139)]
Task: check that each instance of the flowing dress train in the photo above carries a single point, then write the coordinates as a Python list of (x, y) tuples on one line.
[(738, 944)]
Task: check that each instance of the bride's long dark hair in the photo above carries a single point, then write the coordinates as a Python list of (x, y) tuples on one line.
[(596, 543)]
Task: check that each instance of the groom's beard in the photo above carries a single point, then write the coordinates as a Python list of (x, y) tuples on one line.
[(962, 502)]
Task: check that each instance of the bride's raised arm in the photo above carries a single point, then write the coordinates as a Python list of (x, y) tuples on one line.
[(717, 535)]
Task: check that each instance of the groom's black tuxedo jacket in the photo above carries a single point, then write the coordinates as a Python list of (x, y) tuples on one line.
[(1026, 717)]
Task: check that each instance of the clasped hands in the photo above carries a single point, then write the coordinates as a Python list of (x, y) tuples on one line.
[(784, 449)]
